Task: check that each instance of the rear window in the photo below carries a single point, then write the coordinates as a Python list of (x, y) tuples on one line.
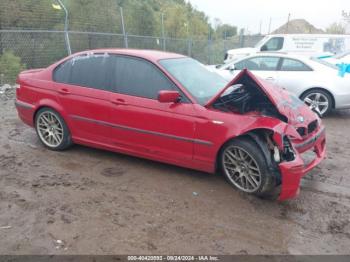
[(294, 65)]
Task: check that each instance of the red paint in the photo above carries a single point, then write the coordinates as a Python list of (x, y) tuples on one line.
[(184, 134), (168, 96)]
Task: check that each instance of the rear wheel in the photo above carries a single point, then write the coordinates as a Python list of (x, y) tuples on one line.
[(245, 167), (318, 100), (52, 130)]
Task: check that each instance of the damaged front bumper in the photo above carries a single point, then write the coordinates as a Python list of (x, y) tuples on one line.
[(293, 171)]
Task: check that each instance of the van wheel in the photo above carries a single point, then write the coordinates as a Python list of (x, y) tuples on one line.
[(245, 167), (318, 101), (52, 130)]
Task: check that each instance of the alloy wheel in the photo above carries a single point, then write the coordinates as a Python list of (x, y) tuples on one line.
[(50, 129), (317, 102), (241, 169)]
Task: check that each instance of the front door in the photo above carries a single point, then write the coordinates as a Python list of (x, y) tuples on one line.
[(141, 123)]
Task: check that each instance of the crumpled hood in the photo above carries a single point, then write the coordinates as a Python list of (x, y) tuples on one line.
[(287, 104)]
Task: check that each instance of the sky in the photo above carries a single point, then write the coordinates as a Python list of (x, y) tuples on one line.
[(248, 14)]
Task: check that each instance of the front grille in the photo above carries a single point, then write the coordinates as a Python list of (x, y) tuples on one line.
[(312, 126)]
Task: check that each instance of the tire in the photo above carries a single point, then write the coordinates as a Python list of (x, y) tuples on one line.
[(318, 100), (52, 130), (240, 172)]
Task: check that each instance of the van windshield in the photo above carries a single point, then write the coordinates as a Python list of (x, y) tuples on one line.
[(260, 43)]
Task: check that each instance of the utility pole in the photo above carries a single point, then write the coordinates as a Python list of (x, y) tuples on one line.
[(66, 27), (287, 28), (270, 25), (260, 27)]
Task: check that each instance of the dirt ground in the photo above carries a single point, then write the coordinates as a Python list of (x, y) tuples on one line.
[(88, 201)]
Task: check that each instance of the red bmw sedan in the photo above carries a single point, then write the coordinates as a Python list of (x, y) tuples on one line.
[(168, 107)]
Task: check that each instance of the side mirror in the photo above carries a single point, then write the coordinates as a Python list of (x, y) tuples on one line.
[(166, 96), (263, 48)]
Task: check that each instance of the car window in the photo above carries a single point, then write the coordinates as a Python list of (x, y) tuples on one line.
[(88, 70), (263, 63), (294, 65), (274, 44), (137, 77)]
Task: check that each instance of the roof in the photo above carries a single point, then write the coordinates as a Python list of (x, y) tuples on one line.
[(280, 54), (152, 55)]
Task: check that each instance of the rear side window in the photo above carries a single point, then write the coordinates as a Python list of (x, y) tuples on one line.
[(263, 63), (294, 65), (137, 77), (86, 70)]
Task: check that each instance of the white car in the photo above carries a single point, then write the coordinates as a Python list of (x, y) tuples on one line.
[(316, 82)]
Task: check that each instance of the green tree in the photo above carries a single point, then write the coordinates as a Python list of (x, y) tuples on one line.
[(335, 28), (10, 67)]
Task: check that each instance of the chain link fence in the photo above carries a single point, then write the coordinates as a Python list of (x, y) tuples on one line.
[(26, 48)]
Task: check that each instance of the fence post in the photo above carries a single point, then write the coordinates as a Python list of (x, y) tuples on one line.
[(189, 50), (209, 46), (163, 33), (66, 34), (123, 27), (241, 38)]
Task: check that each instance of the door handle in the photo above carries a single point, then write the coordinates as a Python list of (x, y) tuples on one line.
[(270, 78), (64, 91), (119, 101)]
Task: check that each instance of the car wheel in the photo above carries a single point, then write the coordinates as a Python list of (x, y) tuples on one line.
[(318, 101), (52, 130), (245, 167)]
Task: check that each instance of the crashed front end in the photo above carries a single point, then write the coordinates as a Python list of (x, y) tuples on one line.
[(288, 128), (291, 163)]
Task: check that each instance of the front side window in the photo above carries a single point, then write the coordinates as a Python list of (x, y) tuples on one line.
[(263, 63), (88, 70), (294, 65), (137, 77), (274, 44), (201, 83)]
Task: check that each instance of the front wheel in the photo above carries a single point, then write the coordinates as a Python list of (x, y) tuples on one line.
[(52, 130), (318, 100), (245, 167)]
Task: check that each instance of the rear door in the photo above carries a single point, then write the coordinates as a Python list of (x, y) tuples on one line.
[(83, 85), (262, 66), (141, 123)]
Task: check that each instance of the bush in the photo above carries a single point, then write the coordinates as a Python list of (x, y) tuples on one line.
[(10, 67)]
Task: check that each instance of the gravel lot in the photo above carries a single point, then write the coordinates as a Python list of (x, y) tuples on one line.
[(88, 201)]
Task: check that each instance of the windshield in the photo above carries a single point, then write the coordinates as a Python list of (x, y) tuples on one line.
[(195, 77), (261, 41), (323, 62), (341, 55)]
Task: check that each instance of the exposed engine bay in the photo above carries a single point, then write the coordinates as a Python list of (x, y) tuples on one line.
[(246, 96)]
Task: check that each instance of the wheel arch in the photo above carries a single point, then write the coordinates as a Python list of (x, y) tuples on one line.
[(257, 135), (52, 105), (320, 88)]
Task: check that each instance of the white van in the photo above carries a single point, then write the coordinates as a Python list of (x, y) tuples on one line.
[(308, 44)]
